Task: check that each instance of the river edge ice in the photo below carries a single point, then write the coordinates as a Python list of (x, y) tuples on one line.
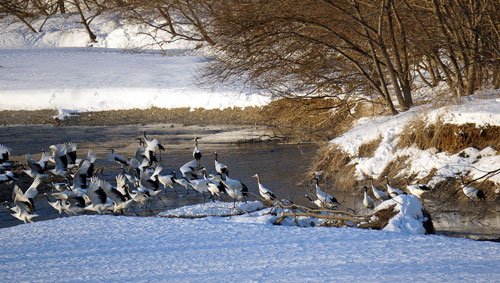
[(244, 248)]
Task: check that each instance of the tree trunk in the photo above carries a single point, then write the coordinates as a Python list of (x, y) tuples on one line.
[(92, 36), (62, 8)]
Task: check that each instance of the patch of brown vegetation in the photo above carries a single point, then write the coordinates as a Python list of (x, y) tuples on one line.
[(23, 117), (448, 137), (334, 163), (154, 115), (392, 169), (368, 149), (381, 218), (319, 119)]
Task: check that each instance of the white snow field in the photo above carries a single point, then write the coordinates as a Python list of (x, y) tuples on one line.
[(239, 249), (93, 79)]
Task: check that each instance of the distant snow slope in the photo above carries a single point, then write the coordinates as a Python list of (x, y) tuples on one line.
[(90, 79), (52, 69), (152, 249), (66, 31)]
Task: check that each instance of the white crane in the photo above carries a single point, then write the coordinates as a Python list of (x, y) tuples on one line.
[(151, 147), (196, 150), (418, 189), (379, 193), (23, 209), (327, 200), (32, 191), (393, 191), (266, 193), (201, 185), (316, 202), (4, 153), (71, 154), (235, 189), (60, 160), (119, 195), (118, 158), (192, 170), (98, 198), (37, 168), (216, 188), (473, 193), (367, 200), (220, 167)]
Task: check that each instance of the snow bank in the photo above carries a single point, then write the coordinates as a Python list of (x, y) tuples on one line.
[(153, 249), (421, 162), (96, 80), (409, 219)]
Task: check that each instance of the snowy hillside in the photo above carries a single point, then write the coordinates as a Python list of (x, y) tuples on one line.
[(481, 112), (238, 249)]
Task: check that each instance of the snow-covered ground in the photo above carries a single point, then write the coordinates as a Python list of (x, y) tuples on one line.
[(238, 249), (91, 79), (480, 111), (53, 69)]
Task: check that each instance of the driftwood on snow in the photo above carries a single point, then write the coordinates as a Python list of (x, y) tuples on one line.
[(338, 218)]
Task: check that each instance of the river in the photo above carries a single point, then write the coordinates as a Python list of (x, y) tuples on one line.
[(281, 167)]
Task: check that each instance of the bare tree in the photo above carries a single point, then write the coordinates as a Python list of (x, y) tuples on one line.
[(27, 11), (88, 11), (173, 20)]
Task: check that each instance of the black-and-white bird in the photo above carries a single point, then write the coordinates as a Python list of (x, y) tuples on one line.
[(220, 167), (367, 200), (98, 197), (4, 154), (60, 159), (23, 208), (316, 201), (379, 192), (393, 191), (192, 170), (32, 191), (235, 189), (37, 168), (266, 193), (196, 151), (71, 154), (119, 196), (473, 193), (328, 201), (418, 189), (151, 147), (7, 177), (120, 159), (215, 187)]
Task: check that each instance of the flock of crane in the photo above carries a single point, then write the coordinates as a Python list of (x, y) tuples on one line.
[(141, 179)]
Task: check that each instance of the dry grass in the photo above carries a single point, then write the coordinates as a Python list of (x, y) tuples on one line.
[(448, 137), (368, 149), (315, 117), (336, 168)]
